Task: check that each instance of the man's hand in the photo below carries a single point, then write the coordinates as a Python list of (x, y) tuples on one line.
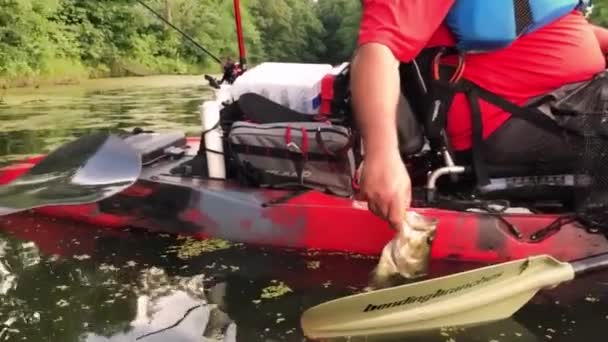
[(375, 87), (385, 185)]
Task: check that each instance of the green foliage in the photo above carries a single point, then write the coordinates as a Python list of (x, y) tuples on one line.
[(64, 39), (290, 30), (599, 14), (340, 19)]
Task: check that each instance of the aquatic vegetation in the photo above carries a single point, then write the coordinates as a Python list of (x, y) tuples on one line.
[(592, 299), (274, 291), (192, 247), (313, 265)]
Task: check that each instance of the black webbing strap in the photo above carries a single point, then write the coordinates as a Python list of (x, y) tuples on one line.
[(531, 114), (481, 172), (436, 119)]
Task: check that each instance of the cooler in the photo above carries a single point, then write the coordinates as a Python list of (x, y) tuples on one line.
[(294, 85)]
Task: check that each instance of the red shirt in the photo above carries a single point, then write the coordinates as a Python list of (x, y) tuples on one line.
[(563, 52)]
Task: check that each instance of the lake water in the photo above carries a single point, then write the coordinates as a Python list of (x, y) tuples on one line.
[(67, 282)]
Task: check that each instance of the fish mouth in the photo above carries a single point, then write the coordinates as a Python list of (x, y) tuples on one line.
[(420, 222)]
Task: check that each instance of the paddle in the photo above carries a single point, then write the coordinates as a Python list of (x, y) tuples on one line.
[(482, 295), (86, 170)]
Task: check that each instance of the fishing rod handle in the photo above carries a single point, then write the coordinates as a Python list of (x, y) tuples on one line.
[(590, 264)]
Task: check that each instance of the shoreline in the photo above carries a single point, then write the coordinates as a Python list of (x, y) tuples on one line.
[(77, 77), (17, 95)]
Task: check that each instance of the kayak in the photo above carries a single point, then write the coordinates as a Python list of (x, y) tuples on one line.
[(171, 195), (166, 199), (167, 196)]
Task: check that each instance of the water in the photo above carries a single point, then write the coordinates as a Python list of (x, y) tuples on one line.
[(67, 282), (38, 120)]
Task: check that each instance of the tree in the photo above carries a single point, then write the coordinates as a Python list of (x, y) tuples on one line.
[(110, 37)]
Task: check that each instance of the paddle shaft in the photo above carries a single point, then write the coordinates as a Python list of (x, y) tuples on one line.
[(590, 264)]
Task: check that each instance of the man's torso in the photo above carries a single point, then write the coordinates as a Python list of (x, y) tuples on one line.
[(563, 52)]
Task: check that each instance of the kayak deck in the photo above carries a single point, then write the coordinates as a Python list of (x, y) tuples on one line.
[(163, 202)]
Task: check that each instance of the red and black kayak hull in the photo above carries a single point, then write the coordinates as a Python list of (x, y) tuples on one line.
[(163, 202)]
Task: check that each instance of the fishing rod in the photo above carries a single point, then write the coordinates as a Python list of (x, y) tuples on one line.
[(239, 33), (180, 31)]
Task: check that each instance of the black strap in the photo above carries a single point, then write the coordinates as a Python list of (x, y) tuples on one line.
[(478, 145), (436, 119), (531, 114)]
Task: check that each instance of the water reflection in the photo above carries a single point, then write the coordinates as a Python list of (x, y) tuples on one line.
[(65, 282), (39, 120)]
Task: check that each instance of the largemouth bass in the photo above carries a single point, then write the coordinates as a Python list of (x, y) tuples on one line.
[(407, 256)]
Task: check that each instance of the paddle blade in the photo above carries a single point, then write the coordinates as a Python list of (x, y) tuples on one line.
[(86, 170), (482, 295)]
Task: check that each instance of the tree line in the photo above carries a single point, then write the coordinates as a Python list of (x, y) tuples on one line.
[(71, 39), (81, 38)]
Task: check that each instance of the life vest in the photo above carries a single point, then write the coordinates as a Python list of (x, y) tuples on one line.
[(485, 25)]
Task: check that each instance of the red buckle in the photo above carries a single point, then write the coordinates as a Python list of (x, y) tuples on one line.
[(457, 73)]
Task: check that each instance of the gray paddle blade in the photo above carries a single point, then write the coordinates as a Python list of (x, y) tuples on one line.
[(87, 170), (468, 298)]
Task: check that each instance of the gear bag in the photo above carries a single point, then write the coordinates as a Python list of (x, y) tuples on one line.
[(313, 155)]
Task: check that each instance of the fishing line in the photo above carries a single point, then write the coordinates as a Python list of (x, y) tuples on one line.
[(180, 31)]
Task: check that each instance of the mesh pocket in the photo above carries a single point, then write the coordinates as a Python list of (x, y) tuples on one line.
[(583, 112), (591, 196)]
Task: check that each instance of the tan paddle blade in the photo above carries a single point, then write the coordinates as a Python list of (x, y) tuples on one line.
[(482, 295)]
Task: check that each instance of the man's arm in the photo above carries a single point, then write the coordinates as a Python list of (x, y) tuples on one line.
[(391, 31), (375, 93), (385, 183)]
